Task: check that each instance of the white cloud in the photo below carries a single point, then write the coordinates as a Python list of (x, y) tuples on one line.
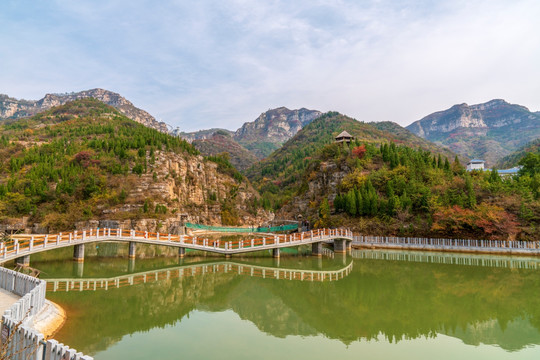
[(205, 64)]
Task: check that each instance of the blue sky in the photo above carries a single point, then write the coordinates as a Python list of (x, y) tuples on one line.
[(201, 64)]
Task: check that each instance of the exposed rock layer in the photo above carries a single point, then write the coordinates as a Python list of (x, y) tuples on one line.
[(14, 108)]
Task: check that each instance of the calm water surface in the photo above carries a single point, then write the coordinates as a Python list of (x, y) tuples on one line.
[(424, 308)]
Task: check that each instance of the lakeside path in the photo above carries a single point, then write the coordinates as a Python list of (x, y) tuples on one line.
[(7, 299), (48, 321)]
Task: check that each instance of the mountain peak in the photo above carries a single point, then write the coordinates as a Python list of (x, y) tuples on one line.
[(14, 108), (489, 130), (272, 128)]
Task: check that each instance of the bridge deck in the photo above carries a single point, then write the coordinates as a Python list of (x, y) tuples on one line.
[(23, 245)]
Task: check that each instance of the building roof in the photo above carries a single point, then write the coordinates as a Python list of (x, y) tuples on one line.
[(476, 161), (344, 134)]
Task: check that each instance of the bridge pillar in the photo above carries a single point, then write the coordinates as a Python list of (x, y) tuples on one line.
[(348, 245), (23, 260), (132, 249), (316, 249), (275, 253), (340, 246), (181, 252), (78, 269), (131, 265), (78, 253), (341, 256)]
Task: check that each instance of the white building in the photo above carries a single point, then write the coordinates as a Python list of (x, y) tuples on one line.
[(475, 164)]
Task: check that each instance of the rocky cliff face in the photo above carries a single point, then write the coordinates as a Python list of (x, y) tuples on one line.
[(201, 134), (272, 128), (490, 130), (264, 135), (191, 184), (14, 108)]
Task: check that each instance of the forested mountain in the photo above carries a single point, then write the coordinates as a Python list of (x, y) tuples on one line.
[(272, 128), (86, 161), (387, 183), (514, 158), (283, 169), (11, 108), (221, 142), (263, 135), (486, 131)]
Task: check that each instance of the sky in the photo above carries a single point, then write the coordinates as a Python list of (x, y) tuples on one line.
[(202, 64)]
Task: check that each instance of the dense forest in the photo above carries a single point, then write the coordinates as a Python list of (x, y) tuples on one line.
[(278, 176), (75, 161), (388, 181), (401, 190)]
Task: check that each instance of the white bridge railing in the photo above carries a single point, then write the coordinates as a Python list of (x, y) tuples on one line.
[(264, 272), (21, 340), (532, 247), (482, 260), (28, 244)]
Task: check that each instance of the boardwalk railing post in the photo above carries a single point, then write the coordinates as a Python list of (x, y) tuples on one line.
[(31, 243)]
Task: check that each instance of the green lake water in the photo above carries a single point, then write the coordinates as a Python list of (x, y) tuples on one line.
[(388, 305)]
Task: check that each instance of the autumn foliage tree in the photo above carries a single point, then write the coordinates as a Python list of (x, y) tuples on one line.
[(359, 151)]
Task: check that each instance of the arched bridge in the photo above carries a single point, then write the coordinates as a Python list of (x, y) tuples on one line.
[(23, 246), (197, 269)]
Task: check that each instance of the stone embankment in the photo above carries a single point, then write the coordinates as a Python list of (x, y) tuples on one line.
[(25, 317)]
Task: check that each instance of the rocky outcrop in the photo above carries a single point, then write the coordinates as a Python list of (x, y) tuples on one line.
[(272, 128), (493, 114), (201, 134), (489, 131), (14, 108)]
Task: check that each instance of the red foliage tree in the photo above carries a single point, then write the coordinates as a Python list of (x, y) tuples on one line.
[(359, 151)]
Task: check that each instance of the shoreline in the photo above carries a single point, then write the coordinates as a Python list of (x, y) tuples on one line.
[(50, 320)]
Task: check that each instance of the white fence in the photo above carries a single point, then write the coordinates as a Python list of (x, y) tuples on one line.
[(530, 247), (20, 339), (499, 261)]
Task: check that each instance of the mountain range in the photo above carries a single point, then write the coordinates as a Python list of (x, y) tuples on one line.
[(11, 108), (86, 160), (254, 140), (486, 131)]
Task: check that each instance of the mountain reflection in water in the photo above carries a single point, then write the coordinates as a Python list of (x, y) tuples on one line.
[(396, 299)]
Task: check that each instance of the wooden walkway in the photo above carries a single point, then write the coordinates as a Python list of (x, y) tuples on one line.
[(264, 272), (23, 245)]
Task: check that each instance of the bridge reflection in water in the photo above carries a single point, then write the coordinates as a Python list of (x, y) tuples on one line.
[(264, 272), (510, 262), (384, 295)]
